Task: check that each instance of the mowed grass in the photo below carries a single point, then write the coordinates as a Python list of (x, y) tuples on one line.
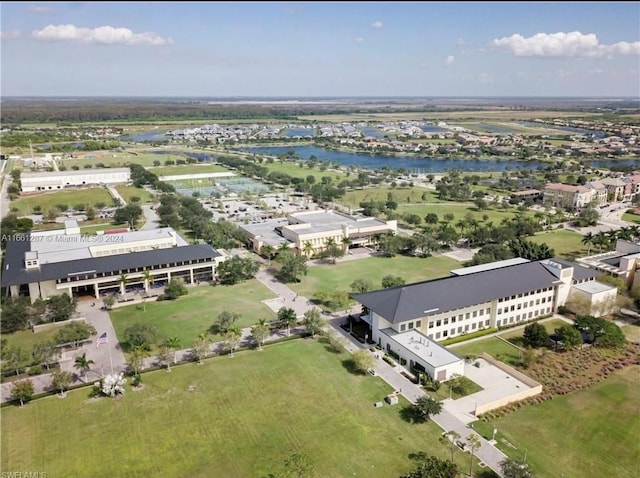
[(193, 314), (340, 276), (295, 171), (127, 192), (231, 417), (459, 211), (590, 433), (566, 244), (491, 345), (70, 198), (118, 160), (402, 196), (187, 169)]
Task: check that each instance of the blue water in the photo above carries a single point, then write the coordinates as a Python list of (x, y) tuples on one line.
[(372, 161), (586, 132), (432, 129), (148, 136), (292, 132), (374, 133)]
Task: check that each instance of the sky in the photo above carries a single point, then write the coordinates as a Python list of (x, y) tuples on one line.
[(319, 49)]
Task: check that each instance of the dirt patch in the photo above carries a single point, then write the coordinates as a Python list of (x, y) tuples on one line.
[(192, 388), (138, 388)]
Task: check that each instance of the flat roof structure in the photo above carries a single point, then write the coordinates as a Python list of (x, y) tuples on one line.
[(489, 266), (594, 287), (426, 349), (85, 172), (328, 220)]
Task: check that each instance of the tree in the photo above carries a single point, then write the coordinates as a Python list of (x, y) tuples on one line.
[(61, 380), (535, 335), (360, 286), (260, 332), (427, 406), (164, 356), (14, 314), (44, 352), (473, 442), (292, 266), (136, 360), (237, 269), (299, 465), (287, 317), (141, 335), (124, 280), (449, 438), (570, 336), (14, 357), (363, 361), (74, 333), (173, 343), (392, 281), (200, 348), (174, 289), (587, 240), (128, 214), (12, 226), (431, 218), (83, 364), (512, 469), (22, 391), (109, 301), (148, 279), (307, 248), (587, 217), (232, 338), (313, 321), (225, 321), (433, 467), (61, 307), (267, 251)]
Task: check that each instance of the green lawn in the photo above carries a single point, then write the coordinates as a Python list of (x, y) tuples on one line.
[(128, 191), (231, 417), (590, 433), (629, 217), (632, 332), (331, 277), (549, 326), (491, 345), (381, 193), (118, 160), (566, 244), (296, 171), (69, 198), (193, 314), (459, 210), (187, 169), (26, 339)]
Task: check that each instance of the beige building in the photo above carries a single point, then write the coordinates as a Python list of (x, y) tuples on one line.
[(566, 195), (55, 180), (309, 232)]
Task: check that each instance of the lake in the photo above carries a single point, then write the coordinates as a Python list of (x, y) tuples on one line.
[(373, 161)]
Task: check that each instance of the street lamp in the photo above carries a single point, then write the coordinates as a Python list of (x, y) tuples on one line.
[(495, 430)]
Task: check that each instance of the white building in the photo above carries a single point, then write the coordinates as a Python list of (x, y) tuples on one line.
[(42, 264), (499, 294), (56, 180)]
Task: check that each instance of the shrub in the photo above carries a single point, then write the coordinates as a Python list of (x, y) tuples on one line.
[(35, 370)]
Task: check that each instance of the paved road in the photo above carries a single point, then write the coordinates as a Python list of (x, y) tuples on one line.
[(152, 220)]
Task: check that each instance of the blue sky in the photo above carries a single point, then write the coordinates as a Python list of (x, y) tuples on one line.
[(320, 49)]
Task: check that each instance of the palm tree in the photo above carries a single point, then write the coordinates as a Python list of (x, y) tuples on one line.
[(268, 251), (287, 316), (123, 285), (474, 443), (173, 343), (232, 337), (260, 331), (148, 280), (449, 438), (600, 240), (587, 240), (346, 242), (330, 242), (307, 248), (83, 364)]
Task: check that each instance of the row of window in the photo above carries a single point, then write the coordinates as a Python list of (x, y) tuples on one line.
[(139, 248), (524, 305), (525, 294), (525, 316), (466, 328), (410, 325), (461, 317)]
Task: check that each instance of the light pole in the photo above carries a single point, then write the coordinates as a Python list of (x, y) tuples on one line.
[(495, 430)]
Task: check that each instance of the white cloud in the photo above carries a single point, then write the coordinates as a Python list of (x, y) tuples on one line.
[(377, 24), (573, 44), (9, 35), (449, 60), (359, 39), (39, 8), (105, 35)]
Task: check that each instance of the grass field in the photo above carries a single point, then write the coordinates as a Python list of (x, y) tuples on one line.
[(193, 314), (459, 210), (128, 191), (488, 115), (590, 433), (491, 345), (549, 326), (187, 169), (332, 277), (566, 244), (117, 160), (69, 198), (26, 339), (629, 217), (231, 417), (632, 332), (296, 171), (400, 195)]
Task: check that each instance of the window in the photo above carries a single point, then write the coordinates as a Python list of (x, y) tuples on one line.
[(446, 321), (530, 303), (513, 307), (486, 323), (544, 299), (473, 326), (410, 325), (466, 327), (460, 329), (497, 323), (499, 311), (537, 301), (403, 327), (530, 314), (437, 335), (519, 306), (438, 323), (418, 324), (487, 311), (453, 319), (453, 331), (475, 314), (431, 325), (467, 315)]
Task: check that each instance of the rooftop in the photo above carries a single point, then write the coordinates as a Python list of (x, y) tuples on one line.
[(328, 220), (431, 352), (489, 266), (594, 287), (74, 173)]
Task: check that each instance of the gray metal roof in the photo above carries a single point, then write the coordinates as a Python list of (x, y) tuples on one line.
[(580, 273), (421, 299), (14, 272)]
